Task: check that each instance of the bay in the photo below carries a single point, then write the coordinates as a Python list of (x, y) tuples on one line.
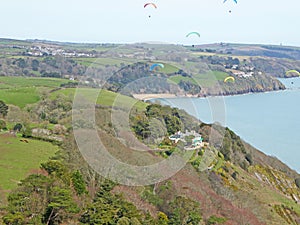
[(269, 121)]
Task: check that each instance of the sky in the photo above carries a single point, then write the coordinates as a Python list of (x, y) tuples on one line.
[(115, 21)]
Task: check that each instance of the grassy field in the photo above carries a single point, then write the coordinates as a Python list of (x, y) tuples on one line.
[(20, 96), (20, 91), (105, 97), (168, 68), (205, 80), (13, 82), (17, 161), (103, 61), (240, 57)]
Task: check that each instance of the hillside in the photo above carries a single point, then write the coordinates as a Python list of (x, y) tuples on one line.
[(196, 71), (237, 185), (270, 59)]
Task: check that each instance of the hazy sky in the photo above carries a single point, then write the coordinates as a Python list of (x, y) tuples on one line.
[(251, 21)]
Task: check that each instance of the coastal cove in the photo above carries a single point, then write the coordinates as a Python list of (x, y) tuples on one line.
[(269, 121)]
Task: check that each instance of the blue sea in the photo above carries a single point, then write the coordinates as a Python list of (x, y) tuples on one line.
[(268, 121)]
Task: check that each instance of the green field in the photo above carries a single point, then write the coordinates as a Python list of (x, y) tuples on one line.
[(95, 62), (20, 96), (18, 159), (168, 68), (20, 91), (6, 82), (105, 97), (208, 79)]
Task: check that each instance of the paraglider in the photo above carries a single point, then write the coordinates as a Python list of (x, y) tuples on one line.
[(229, 78), (293, 72), (150, 4), (193, 33), (233, 0), (153, 66), (147, 4)]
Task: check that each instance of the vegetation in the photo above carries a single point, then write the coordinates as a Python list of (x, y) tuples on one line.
[(17, 158), (3, 108), (45, 180), (297, 181)]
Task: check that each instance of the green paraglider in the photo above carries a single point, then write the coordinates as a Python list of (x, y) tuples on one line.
[(193, 33)]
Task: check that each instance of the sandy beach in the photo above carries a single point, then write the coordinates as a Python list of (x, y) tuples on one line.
[(151, 96), (145, 97)]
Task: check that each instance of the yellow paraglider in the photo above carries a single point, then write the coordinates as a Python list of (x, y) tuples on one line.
[(229, 78), (293, 72)]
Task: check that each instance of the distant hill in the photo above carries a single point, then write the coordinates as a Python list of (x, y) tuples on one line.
[(196, 71)]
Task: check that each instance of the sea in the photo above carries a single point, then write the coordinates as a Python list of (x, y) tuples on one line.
[(269, 121)]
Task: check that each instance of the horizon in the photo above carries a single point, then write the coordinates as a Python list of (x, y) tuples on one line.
[(142, 42)]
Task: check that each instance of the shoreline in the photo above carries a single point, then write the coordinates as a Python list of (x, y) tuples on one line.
[(146, 97)]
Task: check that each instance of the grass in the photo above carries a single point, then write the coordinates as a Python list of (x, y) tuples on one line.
[(12, 82), (20, 96), (205, 80), (21, 91), (168, 68), (106, 98), (18, 159), (240, 57), (102, 61)]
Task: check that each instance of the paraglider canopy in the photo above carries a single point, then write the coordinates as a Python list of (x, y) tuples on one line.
[(229, 78), (150, 3), (292, 72), (193, 33), (233, 0), (153, 66)]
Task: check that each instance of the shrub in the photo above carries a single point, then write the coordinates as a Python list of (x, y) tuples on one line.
[(235, 175), (297, 181), (249, 158), (18, 127), (215, 220), (26, 131), (2, 125)]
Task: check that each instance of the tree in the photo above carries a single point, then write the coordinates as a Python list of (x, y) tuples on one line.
[(78, 183), (18, 127), (3, 108), (184, 211), (297, 181), (2, 124), (110, 209), (35, 65), (61, 206), (26, 131), (55, 168), (21, 63), (14, 219), (27, 203)]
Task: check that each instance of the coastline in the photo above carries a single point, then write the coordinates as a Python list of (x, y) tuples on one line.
[(145, 97)]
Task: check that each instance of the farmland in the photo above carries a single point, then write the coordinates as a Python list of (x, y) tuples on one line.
[(18, 159)]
